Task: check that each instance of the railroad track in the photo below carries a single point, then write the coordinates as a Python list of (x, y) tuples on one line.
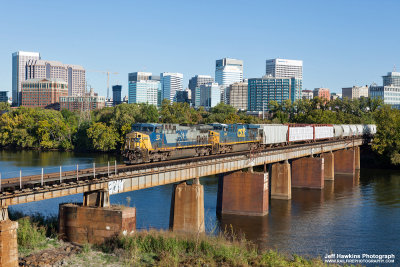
[(51, 179)]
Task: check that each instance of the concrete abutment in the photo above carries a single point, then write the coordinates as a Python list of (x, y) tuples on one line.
[(95, 220)]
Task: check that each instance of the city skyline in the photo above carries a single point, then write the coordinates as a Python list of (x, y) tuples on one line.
[(336, 53)]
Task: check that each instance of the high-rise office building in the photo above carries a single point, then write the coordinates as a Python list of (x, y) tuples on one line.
[(43, 92), (117, 89), (227, 72), (237, 95), (355, 92), (3, 96), (74, 75), (144, 91), (19, 60), (261, 91), (76, 80), (139, 76), (182, 96), (389, 92), (210, 95), (391, 79), (170, 83), (390, 95), (194, 83), (284, 68)]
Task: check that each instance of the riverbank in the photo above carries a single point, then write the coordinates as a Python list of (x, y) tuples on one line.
[(39, 245)]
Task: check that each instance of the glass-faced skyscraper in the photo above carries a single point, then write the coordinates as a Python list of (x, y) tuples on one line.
[(227, 72), (19, 60), (170, 83), (144, 91), (261, 91), (391, 79), (117, 89)]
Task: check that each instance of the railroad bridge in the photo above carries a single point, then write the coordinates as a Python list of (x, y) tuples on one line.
[(241, 190)]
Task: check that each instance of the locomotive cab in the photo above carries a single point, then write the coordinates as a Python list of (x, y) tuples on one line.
[(137, 141), (213, 137)]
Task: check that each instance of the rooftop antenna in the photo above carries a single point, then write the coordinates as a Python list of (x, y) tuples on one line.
[(394, 68)]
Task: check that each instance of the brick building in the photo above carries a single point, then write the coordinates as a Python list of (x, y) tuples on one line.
[(43, 92), (322, 93), (90, 101)]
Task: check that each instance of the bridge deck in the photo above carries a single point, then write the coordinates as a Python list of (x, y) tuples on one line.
[(135, 177)]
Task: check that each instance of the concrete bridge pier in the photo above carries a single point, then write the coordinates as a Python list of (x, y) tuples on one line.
[(308, 173), (281, 181), (243, 193), (345, 161), (8, 240), (95, 220), (329, 165), (357, 163), (187, 208)]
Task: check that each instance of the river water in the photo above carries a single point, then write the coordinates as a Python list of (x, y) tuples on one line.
[(353, 214)]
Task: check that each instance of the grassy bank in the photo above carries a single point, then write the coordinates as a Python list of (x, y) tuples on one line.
[(153, 248), (35, 232), (164, 248)]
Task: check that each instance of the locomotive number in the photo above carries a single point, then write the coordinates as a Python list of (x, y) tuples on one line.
[(241, 132)]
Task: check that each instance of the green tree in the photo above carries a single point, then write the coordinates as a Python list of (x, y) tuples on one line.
[(102, 138), (4, 106), (387, 139)]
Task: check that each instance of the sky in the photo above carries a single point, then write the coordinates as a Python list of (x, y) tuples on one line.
[(341, 43)]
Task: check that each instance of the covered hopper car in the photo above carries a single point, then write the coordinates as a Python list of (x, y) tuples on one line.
[(156, 142)]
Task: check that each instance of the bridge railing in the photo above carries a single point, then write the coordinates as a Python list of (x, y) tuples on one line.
[(19, 177)]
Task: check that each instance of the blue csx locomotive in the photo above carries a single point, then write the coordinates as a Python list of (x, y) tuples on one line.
[(155, 142)]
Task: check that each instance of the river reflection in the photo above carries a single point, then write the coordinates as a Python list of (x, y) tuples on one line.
[(352, 214)]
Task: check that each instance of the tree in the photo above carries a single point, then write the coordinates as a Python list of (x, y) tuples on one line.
[(4, 106), (102, 138), (387, 139)]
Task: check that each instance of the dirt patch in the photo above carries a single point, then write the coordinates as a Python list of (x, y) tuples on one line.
[(50, 257)]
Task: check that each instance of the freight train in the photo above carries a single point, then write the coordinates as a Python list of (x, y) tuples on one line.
[(149, 142)]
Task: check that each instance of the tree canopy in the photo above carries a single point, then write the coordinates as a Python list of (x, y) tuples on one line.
[(105, 129)]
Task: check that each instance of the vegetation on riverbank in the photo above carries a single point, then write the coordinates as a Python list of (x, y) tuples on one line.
[(153, 248), (35, 232), (162, 248), (105, 129)]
